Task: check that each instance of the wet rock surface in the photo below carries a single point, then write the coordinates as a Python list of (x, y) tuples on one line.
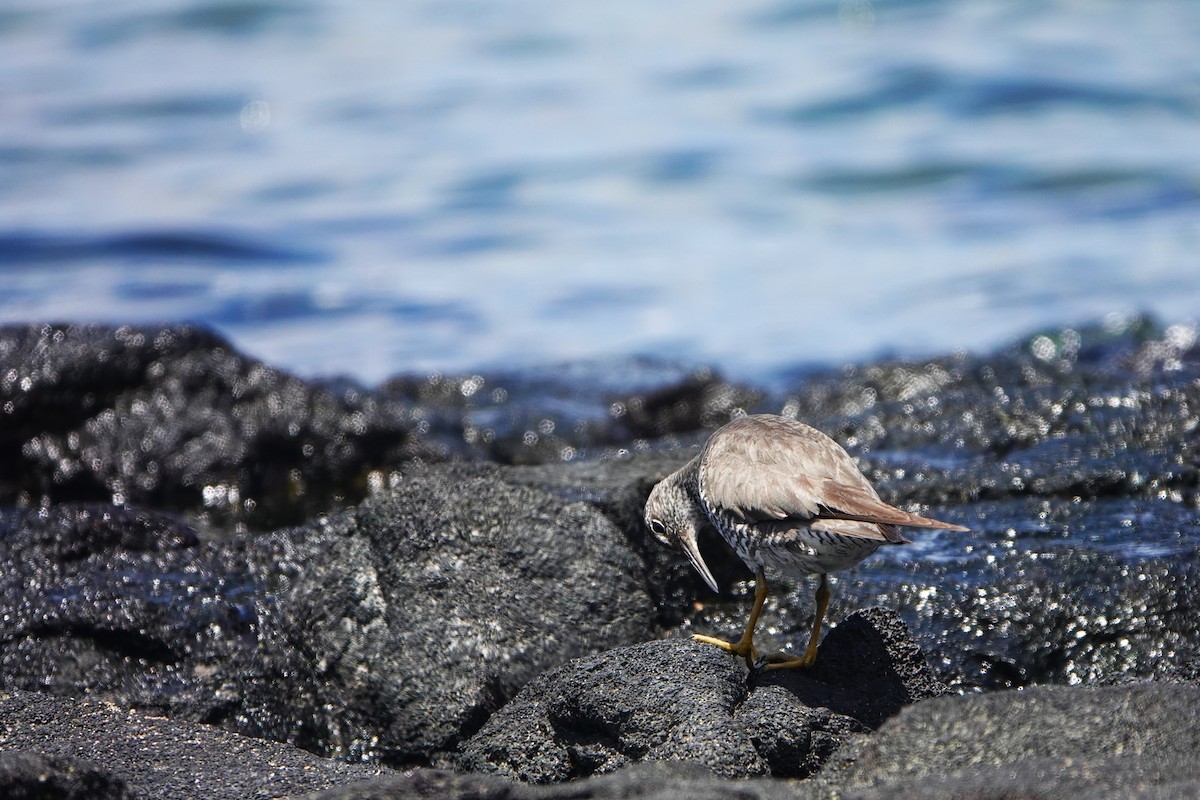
[(175, 418), (120, 602), (1101, 593), (190, 533)]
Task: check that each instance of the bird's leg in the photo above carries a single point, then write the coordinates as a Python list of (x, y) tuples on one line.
[(810, 653), (744, 647)]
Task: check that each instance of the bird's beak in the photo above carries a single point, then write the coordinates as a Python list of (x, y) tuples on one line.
[(687, 540)]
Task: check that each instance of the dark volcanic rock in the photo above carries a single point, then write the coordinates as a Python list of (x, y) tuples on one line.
[(120, 602), (57, 747), (1074, 413), (659, 780), (389, 631), (1104, 591), (175, 418), (393, 630), (1138, 741), (29, 775), (448, 595), (618, 487), (567, 411), (869, 668), (76, 531), (679, 700), (701, 401)]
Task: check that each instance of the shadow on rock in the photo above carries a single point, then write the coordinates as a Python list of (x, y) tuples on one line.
[(679, 700), (30, 774), (869, 668)]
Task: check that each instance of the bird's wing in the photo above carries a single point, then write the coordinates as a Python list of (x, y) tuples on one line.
[(861, 530), (767, 468)]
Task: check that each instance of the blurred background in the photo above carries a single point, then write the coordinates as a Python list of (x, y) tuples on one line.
[(365, 189)]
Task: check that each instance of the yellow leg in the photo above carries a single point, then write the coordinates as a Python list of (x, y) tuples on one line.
[(744, 647), (810, 653)]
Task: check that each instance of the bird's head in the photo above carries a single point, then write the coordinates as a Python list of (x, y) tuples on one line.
[(673, 518)]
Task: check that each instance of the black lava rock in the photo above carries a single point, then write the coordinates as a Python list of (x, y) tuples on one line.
[(1073, 413), (656, 780), (618, 488), (678, 700), (120, 602), (391, 631), (1138, 741), (702, 400), (56, 747), (1095, 592), (175, 418), (869, 668), (446, 596), (30, 775)]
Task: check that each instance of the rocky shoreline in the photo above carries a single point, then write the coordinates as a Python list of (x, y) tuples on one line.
[(224, 581)]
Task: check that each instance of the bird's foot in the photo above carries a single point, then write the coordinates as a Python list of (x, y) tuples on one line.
[(744, 648), (784, 661)]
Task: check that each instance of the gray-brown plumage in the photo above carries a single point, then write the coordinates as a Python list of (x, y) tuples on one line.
[(783, 495)]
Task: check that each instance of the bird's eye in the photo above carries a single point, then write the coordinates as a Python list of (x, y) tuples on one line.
[(656, 526)]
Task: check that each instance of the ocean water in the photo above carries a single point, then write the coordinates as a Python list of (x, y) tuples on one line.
[(365, 189)]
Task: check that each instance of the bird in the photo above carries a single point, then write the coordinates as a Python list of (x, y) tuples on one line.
[(783, 495)]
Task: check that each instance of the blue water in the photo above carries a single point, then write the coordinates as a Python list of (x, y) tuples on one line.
[(373, 188)]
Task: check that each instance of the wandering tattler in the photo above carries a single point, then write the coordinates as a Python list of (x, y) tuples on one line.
[(783, 495)]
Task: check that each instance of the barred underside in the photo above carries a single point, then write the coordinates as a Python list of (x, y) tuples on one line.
[(791, 548)]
